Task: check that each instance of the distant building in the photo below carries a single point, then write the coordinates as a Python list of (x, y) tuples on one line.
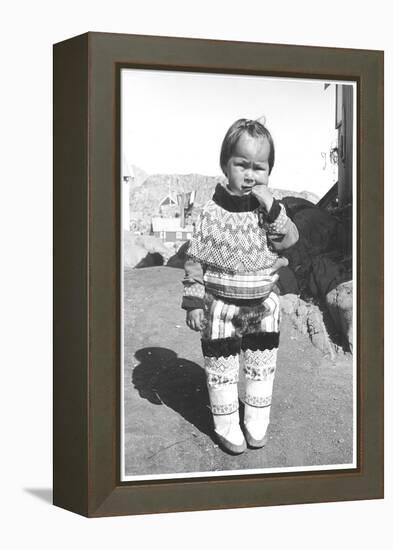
[(169, 207), (168, 201), (169, 230)]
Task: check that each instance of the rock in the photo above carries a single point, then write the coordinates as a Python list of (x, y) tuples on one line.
[(143, 251), (307, 318), (133, 254), (178, 259), (317, 332), (181, 253), (152, 244), (176, 262), (151, 260), (289, 304), (339, 302)]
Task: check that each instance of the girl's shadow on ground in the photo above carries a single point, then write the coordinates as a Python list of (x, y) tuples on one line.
[(163, 378)]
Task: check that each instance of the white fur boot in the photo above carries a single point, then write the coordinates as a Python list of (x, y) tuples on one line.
[(257, 405), (225, 408)]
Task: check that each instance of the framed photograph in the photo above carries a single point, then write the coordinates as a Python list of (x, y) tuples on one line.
[(218, 274)]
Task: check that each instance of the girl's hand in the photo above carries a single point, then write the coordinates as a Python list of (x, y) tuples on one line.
[(264, 196), (195, 319)]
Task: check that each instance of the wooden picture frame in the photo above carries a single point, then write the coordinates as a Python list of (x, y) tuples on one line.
[(87, 263)]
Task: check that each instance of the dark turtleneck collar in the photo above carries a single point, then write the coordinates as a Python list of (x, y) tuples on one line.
[(233, 203)]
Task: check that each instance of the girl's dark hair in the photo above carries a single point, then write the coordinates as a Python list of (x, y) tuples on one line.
[(254, 129)]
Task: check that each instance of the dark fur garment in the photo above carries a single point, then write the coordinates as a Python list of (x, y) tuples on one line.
[(221, 347), (249, 319)]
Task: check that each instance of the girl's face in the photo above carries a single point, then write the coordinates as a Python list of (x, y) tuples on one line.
[(248, 166)]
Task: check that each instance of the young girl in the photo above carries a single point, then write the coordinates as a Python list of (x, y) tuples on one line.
[(229, 284)]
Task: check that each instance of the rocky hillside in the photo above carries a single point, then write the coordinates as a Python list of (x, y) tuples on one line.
[(145, 197), (140, 176)]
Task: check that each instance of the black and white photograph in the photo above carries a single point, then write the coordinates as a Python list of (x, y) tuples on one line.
[(238, 274), (127, 118)]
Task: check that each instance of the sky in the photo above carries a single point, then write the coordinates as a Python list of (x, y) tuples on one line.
[(174, 123)]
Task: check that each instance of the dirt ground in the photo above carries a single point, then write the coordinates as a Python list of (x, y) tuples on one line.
[(168, 426)]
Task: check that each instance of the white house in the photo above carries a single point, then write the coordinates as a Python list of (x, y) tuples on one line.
[(170, 230)]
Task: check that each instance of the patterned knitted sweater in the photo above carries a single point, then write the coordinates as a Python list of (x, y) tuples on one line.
[(232, 253)]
